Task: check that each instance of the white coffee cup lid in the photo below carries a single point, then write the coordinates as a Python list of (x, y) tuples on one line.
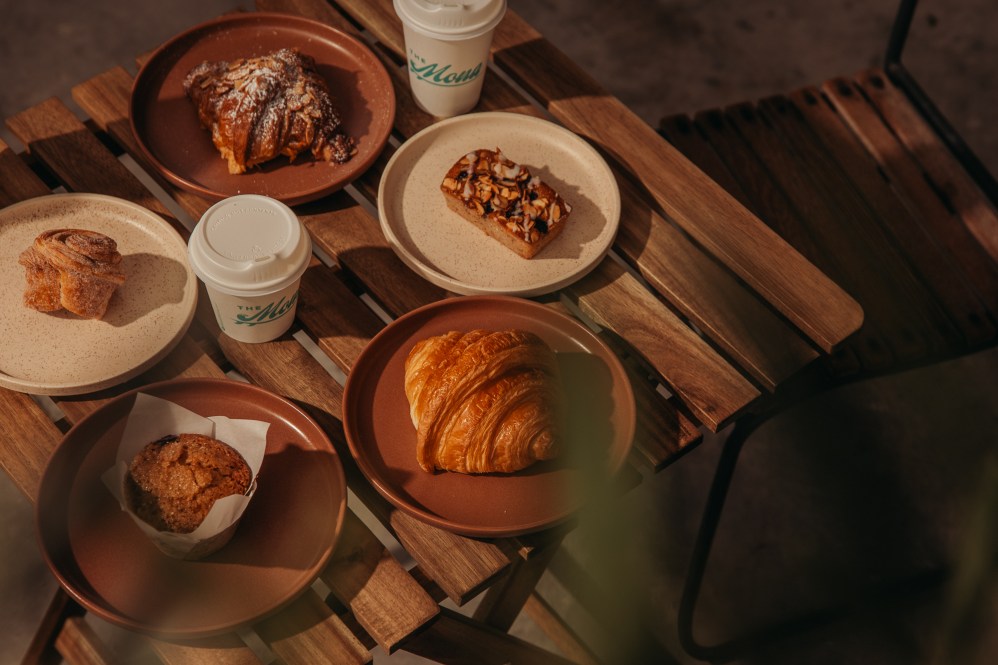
[(451, 19), (249, 245)]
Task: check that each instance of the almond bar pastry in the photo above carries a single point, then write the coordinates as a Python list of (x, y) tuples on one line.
[(482, 401), (73, 269), (505, 200), (260, 108)]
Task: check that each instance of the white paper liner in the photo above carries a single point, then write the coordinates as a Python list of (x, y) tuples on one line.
[(152, 418)]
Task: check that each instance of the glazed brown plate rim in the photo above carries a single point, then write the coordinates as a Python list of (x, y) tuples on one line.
[(375, 455), (204, 173), (69, 536)]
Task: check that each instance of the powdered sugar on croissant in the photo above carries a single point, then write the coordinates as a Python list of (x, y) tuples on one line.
[(260, 108), (483, 401)]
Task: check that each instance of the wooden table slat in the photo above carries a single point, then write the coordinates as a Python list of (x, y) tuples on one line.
[(384, 598), (864, 233), (228, 649), (78, 644), (57, 137), (19, 182), (308, 631), (822, 216), (350, 236), (649, 325), (736, 160), (23, 421), (105, 98), (557, 629), (688, 197)]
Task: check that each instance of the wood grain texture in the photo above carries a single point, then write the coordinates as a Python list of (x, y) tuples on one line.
[(105, 98), (384, 598), (821, 215), (944, 171), (226, 649), (308, 631), (737, 161), (55, 136), (455, 639), (18, 182), (29, 437), (919, 321), (348, 234), (79, 644), (504, 600), (685, 194), (939, 273), (711, 387), (910, 184)]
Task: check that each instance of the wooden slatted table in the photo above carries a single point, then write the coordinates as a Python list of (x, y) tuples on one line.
[(699, 298)]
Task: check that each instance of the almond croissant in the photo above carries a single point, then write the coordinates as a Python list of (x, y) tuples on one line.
[(260, 108), (482, 401)]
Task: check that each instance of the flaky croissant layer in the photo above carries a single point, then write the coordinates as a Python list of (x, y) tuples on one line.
[(482, 401), (263, 107)]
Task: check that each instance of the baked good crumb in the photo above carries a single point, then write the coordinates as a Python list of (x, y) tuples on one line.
[(173, 482), (505, 200)]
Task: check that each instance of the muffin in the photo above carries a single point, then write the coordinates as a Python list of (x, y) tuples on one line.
[(174, 481)]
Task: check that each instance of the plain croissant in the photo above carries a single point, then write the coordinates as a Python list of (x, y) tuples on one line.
[(482, 401)]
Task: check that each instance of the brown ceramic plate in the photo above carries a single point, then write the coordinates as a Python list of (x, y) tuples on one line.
[(600, 418), (166, 125), (284, 539), (145, 319)]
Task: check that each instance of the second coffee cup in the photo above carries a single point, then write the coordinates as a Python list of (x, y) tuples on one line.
[(251, 251), (447, 46)]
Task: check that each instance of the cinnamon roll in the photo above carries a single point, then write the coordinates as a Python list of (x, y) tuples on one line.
[(73, 269)]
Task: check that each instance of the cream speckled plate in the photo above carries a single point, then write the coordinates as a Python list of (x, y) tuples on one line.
[(61, 354), (450, 252)]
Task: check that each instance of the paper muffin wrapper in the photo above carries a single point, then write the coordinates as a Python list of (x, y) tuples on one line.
[(152, 418)]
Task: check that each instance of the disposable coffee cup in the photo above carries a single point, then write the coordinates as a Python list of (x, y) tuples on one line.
[(251, 251), (447, 46)]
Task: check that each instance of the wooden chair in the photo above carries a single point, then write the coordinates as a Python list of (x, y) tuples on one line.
[(864, 176)]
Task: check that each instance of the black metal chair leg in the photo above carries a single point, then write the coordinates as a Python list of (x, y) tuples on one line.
[(739, 646), (705, 536)]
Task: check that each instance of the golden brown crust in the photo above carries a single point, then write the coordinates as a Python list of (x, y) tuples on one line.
[(505, 200), (75, 269), (482, 401), (172, 483), (260, 108)]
